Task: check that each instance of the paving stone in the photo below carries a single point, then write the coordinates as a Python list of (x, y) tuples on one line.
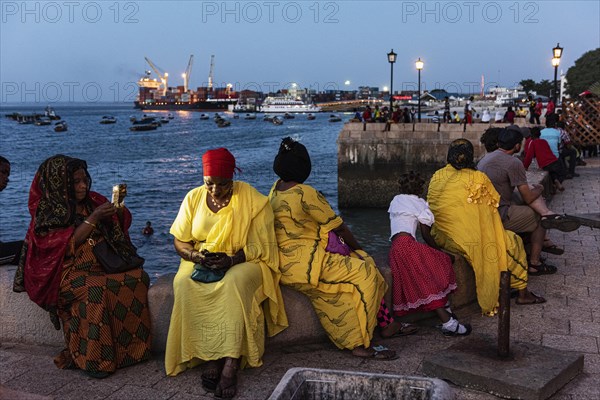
[(583, 344)]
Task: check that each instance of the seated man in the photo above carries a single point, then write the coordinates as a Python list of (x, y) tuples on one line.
[(9, 251), (529, 214)]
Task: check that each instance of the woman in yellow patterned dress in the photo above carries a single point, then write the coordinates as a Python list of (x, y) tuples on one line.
[(465, 205), (345, 291), (223, 323)]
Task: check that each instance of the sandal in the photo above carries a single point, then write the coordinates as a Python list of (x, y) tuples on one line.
[(455, 332), (553, 249), (210, 377), (405, 329), (227, 386), (542, 269), (560, 222), (381, 353), (536, 300)]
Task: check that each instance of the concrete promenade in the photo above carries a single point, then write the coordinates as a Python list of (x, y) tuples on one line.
[(570, 320)]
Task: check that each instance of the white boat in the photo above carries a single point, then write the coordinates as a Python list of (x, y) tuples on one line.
[(287, 105)]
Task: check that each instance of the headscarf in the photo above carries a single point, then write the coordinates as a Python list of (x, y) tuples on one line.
[(461, 154), (292, 162), (52, 206), (218, 163)]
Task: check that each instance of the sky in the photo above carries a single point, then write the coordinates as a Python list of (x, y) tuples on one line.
[(90, 51)]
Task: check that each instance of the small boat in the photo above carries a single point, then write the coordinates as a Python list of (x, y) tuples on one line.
[(108, 119), (170, 116), (268, 118), (334, 118), (277, 121), (144, 127), (223, 123), (203, 116), (144, 121), (217, 116), (165, 120), (60, 126), (43, 121), (250, 116), (288, 116), (310, 117), (236, 116), (50, 113)]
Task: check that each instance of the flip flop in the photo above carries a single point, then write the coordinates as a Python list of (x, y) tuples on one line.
[(380, 353), (405, 330), (560, 222), (542, 269), (536, 300), (553, 249)]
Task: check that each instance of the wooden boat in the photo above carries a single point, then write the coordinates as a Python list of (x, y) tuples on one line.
[(107, 119), (146, 127), (61, 126), (288, 116), (43, 122)]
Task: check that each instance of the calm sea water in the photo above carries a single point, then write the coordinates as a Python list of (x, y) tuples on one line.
[(161, 166)]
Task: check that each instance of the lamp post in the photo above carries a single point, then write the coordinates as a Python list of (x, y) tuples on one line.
[(391, 59), (419, 64), (556, 54)]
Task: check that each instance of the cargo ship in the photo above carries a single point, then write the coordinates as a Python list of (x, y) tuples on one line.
[(155, 94)]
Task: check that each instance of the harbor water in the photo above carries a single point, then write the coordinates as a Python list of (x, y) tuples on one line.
[(161, 166)]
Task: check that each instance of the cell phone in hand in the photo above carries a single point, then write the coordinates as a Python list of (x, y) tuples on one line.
[(119, 192)]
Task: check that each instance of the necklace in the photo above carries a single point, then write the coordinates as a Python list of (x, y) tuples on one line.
[(220, 205)]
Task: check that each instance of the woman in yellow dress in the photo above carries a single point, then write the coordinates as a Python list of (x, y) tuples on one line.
[(224, 225), (464, 203), (346, 291)]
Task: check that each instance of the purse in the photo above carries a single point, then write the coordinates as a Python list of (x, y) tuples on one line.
[(336, 244), (111, 261), (207, 275)]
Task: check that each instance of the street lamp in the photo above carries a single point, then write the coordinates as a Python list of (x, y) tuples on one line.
[(391, 59), (556, 54), (419, 65)]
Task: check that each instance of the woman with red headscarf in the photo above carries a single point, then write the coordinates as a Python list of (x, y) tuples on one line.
[(105, 317), (224, 225)]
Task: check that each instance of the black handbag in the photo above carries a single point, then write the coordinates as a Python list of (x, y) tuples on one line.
[(207, 275), (112, 262)]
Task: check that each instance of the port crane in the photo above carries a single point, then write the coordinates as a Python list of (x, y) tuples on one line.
[(210, 75), (187, 73), (163, 76)]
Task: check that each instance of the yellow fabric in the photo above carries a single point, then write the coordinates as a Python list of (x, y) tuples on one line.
[(345, 291), (464, 203), (210, 321)]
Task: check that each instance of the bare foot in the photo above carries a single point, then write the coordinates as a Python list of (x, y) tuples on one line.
[(227, 387)]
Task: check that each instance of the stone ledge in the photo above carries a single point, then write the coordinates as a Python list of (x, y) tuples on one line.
[(24, 322)]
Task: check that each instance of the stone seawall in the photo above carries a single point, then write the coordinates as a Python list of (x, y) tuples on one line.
[(370, 160)]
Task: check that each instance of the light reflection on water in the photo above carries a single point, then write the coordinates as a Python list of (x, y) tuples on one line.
[(160, 166)]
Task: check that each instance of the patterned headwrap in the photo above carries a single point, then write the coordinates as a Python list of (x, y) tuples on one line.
[(218, 163), (461, 154), (292, 162)]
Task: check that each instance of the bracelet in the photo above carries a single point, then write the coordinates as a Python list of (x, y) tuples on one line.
[(85, 221)]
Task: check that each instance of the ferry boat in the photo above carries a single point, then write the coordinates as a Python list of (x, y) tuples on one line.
[(287, 105)]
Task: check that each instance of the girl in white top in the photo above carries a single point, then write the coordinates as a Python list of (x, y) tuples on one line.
[(423, 276)]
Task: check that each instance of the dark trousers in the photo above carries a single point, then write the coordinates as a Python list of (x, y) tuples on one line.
[(556, 170), (10, 252), (568, 156)]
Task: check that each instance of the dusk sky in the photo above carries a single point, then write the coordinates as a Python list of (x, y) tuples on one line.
[(88, 51)]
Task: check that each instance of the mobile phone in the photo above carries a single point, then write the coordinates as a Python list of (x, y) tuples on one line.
[(118, 195)]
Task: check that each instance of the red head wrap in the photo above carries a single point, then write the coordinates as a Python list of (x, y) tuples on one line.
[(219, 163)]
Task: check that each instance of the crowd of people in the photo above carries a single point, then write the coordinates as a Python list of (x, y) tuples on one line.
[(237, 246)]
